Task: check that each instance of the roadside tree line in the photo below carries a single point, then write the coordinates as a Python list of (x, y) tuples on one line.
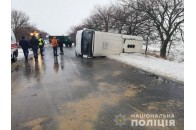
[(22, 27), (157, 21)]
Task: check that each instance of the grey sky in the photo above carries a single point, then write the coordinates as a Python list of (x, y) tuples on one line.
[(56, 16)]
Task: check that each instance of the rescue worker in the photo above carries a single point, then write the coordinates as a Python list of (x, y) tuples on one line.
[(25, 45), (41, 45), (34, 45), (54, 45)]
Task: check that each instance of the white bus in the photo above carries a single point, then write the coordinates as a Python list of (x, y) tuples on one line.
[(94, 43)]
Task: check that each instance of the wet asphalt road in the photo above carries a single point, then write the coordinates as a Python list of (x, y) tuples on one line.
[(71, 93)]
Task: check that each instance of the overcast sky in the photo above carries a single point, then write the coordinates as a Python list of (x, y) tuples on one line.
[(56, 16)]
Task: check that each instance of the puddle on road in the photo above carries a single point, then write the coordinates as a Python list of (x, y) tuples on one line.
[(36, 124)]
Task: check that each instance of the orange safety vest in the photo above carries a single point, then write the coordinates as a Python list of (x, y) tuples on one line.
[(54, 42)]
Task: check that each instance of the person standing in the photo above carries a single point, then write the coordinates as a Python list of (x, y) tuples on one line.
[(60, 43), (54, 45), (34, 45), (41, 45), (25, 45)]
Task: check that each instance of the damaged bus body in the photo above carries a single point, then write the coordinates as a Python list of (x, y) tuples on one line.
[(92, 43)]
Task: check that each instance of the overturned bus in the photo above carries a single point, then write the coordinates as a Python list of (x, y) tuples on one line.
[(95, 43)]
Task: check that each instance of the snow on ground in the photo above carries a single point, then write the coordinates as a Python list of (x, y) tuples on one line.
[(176, 52), (158, 66), (21, 55)]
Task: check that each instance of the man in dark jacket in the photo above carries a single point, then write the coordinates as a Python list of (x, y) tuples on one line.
[(60, 43), (25, 45), (34, 45)]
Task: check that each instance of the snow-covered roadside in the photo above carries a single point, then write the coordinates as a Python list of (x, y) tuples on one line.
[(158, 66)]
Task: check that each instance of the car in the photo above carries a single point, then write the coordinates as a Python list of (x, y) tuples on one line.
[(14, 48)]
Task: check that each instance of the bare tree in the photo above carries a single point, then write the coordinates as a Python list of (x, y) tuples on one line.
[(25, 31), (43, 34), (21, 26), (148, 33), (177, 37), (103, 15), (100, 20), (129, 18), (73, 30), (19, 22), (167, 16), (93, 22), (157, 21), (120, 16), (89, 23)]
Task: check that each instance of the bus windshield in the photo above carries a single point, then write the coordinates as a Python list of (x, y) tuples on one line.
[(87, 37)]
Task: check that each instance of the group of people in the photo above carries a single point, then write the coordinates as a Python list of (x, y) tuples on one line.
[(33, 43), (38, 43)]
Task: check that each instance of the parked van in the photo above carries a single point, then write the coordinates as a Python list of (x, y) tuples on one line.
[(95, 43), (14, 48)]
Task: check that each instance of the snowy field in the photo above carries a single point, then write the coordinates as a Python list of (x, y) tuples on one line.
[(169, 69)]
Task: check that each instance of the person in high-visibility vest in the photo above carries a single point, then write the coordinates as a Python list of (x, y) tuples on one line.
[(41, 45)]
